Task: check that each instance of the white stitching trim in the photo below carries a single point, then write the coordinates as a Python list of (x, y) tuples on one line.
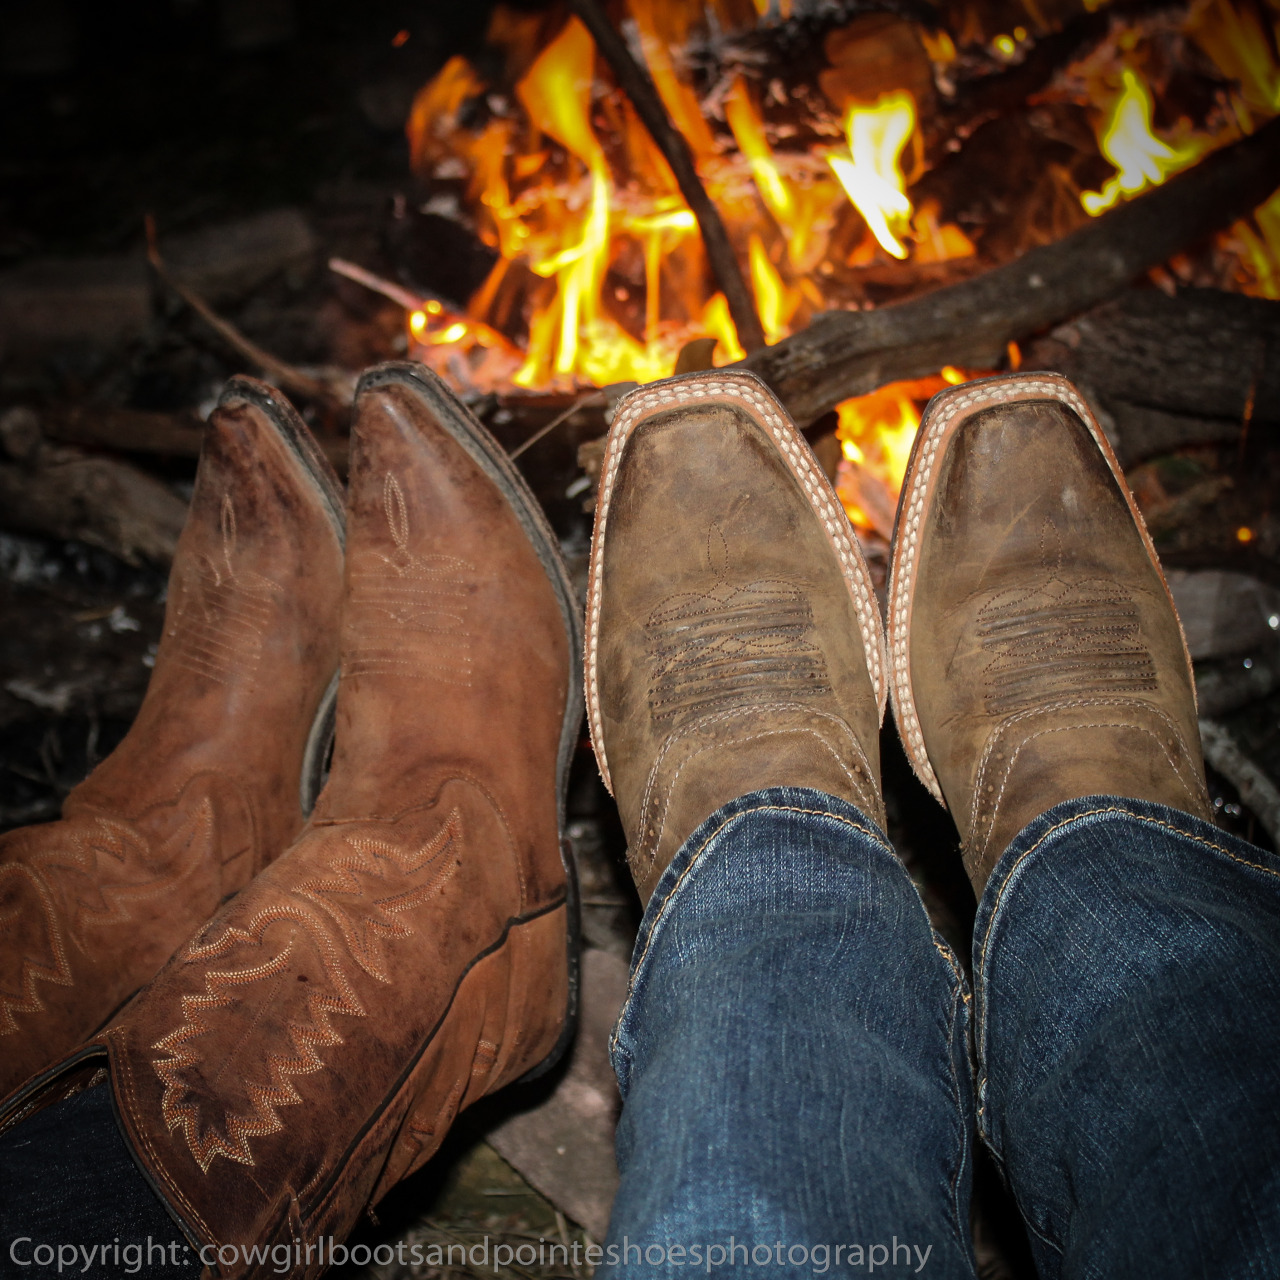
[(750, 391), (938, 419)]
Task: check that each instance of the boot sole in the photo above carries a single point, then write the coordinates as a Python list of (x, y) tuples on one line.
[(294, 433), (492, 459), (746, 389), (943, 417)]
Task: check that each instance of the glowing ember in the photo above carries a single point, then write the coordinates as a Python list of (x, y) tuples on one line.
[(1141, 159)]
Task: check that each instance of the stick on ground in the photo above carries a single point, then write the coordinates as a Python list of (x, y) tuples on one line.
[(1256, 789)]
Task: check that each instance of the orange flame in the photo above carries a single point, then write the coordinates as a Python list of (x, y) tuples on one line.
[(600, 259), (876, 434)]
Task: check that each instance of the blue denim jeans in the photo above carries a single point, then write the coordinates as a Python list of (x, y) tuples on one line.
[(805, 1068)]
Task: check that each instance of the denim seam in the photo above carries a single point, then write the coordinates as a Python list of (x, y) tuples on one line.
[(764, 808), (965, 1152), (979, 968), (1093, 813), (615, 1041)]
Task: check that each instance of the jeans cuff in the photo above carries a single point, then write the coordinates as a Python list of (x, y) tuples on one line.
[(1043, 832), (683, 868), (1043, 836)]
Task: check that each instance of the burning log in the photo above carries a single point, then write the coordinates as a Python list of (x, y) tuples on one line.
[(635, 83), (843, 354)]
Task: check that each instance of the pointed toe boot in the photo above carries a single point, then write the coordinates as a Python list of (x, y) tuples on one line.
[(733, 637), (211, 780), (412, 951), (1035, 652)]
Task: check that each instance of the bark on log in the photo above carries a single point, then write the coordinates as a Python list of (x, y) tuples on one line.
[(843, 354), (1173, 371), (65, 493)]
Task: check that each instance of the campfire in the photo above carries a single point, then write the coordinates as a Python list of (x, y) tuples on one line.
[(837, 156)]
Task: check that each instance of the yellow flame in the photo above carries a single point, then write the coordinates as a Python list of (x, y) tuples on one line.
[(748, 132), (774, 301), (718, 324), (872, 173), (557, 95), (1141, 159), (1262, 248), (1238, 43), (938, 45)]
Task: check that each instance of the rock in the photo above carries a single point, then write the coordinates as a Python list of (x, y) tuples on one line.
[(1223, 612)]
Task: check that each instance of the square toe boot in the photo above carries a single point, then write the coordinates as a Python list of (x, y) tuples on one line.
[(411, 952), (733, 637), (1035, 652), (211, 780)]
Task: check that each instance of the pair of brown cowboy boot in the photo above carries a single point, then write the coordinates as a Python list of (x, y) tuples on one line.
[(734, 641), (337, 990)]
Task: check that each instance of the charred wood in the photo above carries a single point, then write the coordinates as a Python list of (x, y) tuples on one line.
[(1173, 371)]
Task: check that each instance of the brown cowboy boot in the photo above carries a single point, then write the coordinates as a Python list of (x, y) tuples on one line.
[(204, 789), (1036, 654), (733, 637), (312, 1044)]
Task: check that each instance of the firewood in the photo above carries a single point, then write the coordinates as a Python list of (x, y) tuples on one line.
[(331, 388), (1174, 371), (1222, 752), (843, 354), (126, 430), (65, 493)]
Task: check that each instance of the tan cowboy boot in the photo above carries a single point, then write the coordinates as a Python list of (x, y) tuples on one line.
[(408, 954), (1036, 654), (733, 638), (205, 788)]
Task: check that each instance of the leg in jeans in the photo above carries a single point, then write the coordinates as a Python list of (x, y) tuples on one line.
[(793, 1057), (1127, 965), (1127, 953)]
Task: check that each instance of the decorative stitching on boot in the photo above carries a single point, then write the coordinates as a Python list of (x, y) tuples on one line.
[(328, 993), (221, 615), (747, 390), (938, 418)]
